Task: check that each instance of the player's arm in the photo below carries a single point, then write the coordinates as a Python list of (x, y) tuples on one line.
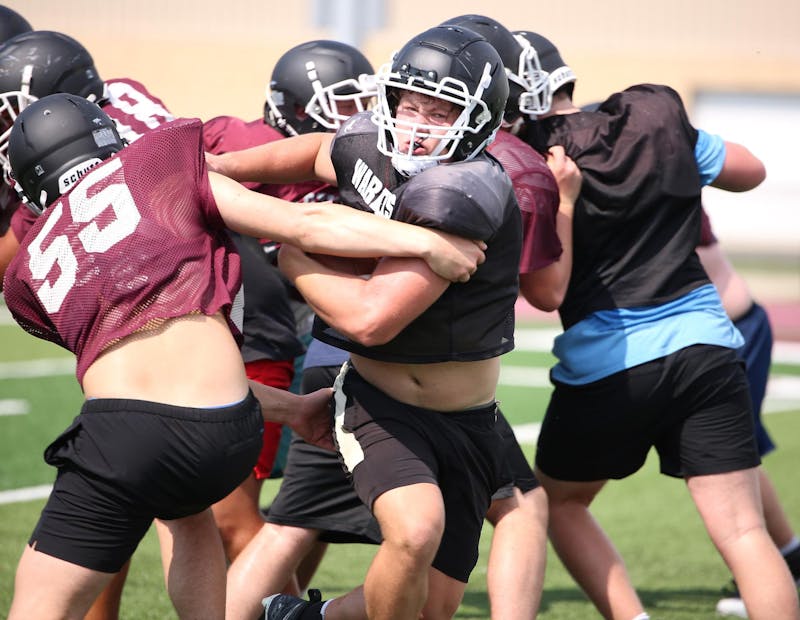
[(545, 288), (291, 160), (741, 171), (372, 310), (726, 165), (308, 416), (328, 228), (9, 246)]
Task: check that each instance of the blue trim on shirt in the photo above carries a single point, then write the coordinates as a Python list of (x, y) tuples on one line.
[(709, 153), (610, 341)]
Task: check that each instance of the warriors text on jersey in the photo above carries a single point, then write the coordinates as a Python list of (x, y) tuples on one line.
[(138, 240), (472, 199)]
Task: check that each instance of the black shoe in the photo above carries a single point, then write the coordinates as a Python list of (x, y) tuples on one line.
[(288, 607), (793, 560), (730, 590)]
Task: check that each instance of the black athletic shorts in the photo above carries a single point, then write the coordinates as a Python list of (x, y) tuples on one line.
[(123, 463), (315, 493), (386, 444), (518, 470), (693, 406)]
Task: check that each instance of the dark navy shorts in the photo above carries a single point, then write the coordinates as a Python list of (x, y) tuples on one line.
[(123, 463), (693, 406), (757, 356), (386, 444)]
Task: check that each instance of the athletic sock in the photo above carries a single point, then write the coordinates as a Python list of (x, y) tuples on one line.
[(790, 546), (324, 607)]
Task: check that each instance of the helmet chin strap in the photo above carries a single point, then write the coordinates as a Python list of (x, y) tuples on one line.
[(410, 167)]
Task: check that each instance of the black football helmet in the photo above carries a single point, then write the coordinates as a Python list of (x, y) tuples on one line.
[(40, 63), (55, 141), (311, 80), (519, 58), (12, 24), (452, 63), (538, 100)]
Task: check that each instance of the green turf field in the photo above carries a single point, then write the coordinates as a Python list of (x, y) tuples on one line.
[(650, 517)]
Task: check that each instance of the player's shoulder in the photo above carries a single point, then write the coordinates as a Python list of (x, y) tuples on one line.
[(472, 176), (654, 96), (358, 123), (516, 155), (470, 198), (230, 133), (183, 129)]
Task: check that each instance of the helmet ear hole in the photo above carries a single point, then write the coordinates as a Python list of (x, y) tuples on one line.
[(55, 141)]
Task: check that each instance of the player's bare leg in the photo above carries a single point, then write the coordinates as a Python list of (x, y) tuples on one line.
[(586, 551), (730, 506), (518, 554)]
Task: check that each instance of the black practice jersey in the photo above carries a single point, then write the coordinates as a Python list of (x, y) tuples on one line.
[(269, 324), (637, 221), (472, 199)]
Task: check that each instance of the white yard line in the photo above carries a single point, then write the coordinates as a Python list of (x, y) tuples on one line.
[(34, 369), (25, 495), (14, 406)]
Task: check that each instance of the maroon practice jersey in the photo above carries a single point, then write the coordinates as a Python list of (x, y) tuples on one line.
[(138, 240), (537, 194), (227, 133), (707, 236), (135, 112)]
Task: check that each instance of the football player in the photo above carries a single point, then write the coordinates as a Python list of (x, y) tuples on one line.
[(34, 64), (648, 357), (415, 411)]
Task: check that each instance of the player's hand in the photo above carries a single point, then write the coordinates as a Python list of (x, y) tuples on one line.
[(313, 418), (215, 163), (567, 174), (457, 258)]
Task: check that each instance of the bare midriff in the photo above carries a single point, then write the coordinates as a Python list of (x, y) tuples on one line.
[(190, 361), (445, 386)]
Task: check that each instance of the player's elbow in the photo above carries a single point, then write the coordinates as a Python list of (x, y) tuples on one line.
[(742, 171), (544, 298), (373, 335), (371, 328), (550, 304)]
